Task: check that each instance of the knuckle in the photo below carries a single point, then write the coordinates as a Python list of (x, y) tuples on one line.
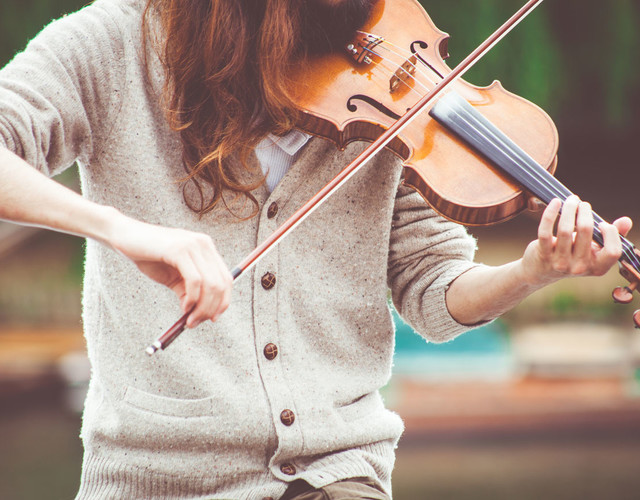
[(224, 304), (176, 249), (202, 241), (561, 266), (544, 236), (613, 254), (546, 243), (579, 268), (564, 233), (548, 217), (217, 286), (611, 230), (196, 281), (209, 284)]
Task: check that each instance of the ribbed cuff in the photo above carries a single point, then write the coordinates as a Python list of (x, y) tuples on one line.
[(442, 326)]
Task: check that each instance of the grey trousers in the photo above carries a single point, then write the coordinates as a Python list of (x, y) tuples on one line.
[(359, 488)]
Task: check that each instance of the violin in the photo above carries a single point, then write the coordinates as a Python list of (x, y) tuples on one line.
[(475, 154)]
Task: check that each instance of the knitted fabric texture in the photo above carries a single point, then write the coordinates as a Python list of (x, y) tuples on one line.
[(202, 419)]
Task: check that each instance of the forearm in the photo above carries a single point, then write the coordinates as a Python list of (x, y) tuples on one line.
[(483, 293), (30, 198), (184, 261)]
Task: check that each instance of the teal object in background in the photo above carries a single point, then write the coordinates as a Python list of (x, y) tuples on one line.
[(480, 354)]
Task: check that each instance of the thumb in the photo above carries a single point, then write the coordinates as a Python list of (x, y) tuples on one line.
[(624, 225)]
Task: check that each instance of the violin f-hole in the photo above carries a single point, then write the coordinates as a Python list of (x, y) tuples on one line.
[(423, 45), (351, 106)]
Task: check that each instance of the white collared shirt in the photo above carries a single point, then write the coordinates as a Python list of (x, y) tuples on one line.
[(277, 154)]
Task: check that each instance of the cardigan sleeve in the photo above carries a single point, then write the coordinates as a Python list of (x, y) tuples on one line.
[(427, 253), (58, 97)]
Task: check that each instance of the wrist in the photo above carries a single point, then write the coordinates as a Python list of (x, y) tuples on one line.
[(105, 225), (530, 276)]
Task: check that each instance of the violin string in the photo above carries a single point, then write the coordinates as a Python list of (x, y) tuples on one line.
[(400, 52), (416, 68), (553, 186), (389, 71), (489, 136), (409, 75), (556, 188)]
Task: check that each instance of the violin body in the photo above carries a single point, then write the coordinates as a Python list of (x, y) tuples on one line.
[(476, 155), (348, 97)]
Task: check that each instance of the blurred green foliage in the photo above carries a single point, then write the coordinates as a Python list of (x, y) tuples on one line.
[(21, 20), (572, 306), (572, 57)]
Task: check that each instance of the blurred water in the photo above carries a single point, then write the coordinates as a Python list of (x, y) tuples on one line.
[(481, 354)]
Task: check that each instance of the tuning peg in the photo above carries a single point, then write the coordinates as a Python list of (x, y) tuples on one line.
[(636, 318), (624, 294)]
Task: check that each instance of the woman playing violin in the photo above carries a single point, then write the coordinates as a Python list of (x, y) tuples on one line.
[(177, 113)]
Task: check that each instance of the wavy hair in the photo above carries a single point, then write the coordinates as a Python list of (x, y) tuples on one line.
[(226, 64)]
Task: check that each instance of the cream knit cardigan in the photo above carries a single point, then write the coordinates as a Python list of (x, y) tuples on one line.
[(202, 419)]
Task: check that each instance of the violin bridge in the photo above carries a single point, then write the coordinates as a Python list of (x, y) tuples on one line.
[(403, 75), (362, 48)]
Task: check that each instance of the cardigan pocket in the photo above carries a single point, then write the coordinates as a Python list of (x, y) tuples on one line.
[(173, 407), (362, 407)]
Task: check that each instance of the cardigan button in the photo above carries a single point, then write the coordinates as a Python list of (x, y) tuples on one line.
[(268, 281), (287, 417), (272, 211), (288, 469), (270, 351)]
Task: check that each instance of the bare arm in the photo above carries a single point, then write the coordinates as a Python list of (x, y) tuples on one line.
[(484, 293), (30, 198), (186, 262)]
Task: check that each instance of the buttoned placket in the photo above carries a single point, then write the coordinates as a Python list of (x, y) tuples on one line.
[(270, 351)]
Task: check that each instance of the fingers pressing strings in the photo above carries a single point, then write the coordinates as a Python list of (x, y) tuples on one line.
[(426, 80)]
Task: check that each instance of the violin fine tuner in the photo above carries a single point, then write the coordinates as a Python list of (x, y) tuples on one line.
[(363, 47)]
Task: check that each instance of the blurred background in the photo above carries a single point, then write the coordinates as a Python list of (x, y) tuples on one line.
[(542, 403)]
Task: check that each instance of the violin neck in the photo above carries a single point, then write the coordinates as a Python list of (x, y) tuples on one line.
[(458, 116)]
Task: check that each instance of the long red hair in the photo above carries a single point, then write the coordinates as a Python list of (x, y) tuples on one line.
[(226, 65)]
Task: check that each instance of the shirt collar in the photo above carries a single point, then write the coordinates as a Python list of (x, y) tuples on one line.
[(290, 143)]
